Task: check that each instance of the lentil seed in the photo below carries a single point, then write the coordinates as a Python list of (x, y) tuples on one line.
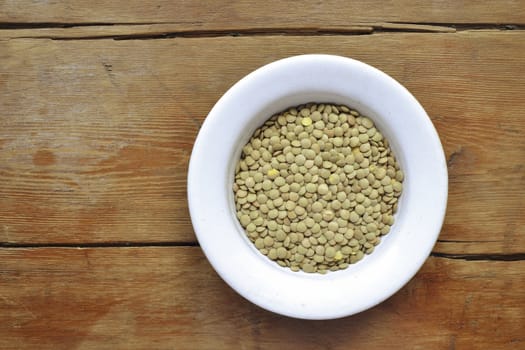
[(316, 187)]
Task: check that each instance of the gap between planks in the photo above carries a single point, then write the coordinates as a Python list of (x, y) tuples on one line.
[(133, 31), (5, 245)]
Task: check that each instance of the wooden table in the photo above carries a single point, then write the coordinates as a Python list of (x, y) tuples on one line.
[(100, 105)]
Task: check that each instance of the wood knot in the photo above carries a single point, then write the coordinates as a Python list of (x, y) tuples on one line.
[(43, 157)]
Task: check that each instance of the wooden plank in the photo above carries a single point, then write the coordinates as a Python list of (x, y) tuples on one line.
[(171, 30), (257, 14), (95, 135), (166, 298)]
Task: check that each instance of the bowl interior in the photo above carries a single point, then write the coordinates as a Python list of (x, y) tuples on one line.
[(230, 124), (294, 99)]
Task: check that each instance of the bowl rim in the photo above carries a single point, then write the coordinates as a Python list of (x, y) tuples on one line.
[(263, 282)]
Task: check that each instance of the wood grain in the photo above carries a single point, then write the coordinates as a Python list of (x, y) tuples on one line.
[(100, 103), (167, 30), (257, 14), (95, 135), (140, 31), (166, 298)]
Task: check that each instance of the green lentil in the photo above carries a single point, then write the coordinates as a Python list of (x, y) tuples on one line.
[(316, 186)]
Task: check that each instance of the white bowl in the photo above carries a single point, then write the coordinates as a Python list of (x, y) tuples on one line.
[(230, 124)]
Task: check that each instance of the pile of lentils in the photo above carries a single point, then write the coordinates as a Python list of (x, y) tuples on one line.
[(316, 187)]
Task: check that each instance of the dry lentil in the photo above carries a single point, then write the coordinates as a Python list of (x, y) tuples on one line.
[(316, 187)]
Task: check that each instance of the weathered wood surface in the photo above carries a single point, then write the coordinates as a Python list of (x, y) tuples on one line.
[(169, 30), (96, 134), (100, 103), (249, 14), (170, 298)]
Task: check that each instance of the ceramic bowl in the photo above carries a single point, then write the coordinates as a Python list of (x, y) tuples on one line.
[(413, 139)]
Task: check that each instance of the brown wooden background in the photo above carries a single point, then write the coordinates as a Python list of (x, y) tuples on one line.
[(100, 103)]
